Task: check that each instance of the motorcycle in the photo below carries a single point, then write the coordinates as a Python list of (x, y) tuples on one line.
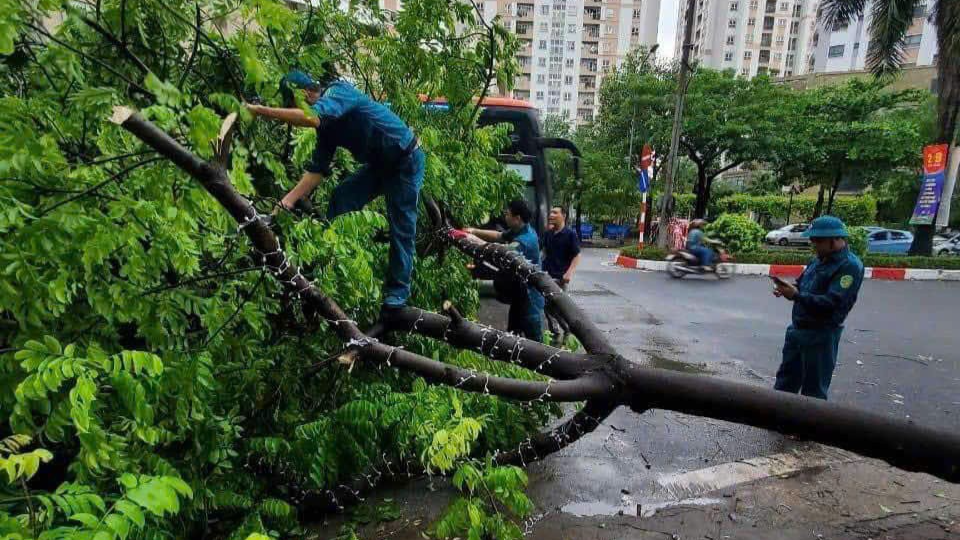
[(681, 262)]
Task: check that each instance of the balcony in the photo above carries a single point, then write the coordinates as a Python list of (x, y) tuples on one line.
[(588, 83), (591, 13), (588, 64), (524, 28), (591, 31), (589, 48), (525, 11)]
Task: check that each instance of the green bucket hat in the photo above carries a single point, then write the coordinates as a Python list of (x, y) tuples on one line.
[(826, 227)]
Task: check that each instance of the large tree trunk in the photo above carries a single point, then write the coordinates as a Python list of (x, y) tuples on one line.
[(948, 102), (601, 377), (833, 190), (817, 208), (702, 190)]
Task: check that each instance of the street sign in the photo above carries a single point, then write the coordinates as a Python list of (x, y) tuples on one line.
[(928, 200), (646, 160)]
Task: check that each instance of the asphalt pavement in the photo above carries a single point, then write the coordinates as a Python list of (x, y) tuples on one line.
[(669, 475)]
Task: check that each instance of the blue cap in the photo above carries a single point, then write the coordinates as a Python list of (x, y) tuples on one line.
[(299, 79), (826, 227)]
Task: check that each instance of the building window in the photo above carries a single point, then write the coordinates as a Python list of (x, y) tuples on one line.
[(856, 46), (768, 23), (791, 60), (542, 45), (731, 40), (745, 72), (568, 62), (541, 78), (606, 65), (542, 61), (781, 22), (732, 23), (793, 44), (544, 27), (747, 55), (571, 28), (568, 79), (605, 47), (777, 57), (540, 95), (728, 56), (752, 21), (780, 40), (637, 13), (635, 31), (607, 29), (748, 39), (764, 56), (784, 6), (609, 14), (797, 10), (571, 45), (795, 27), (754, 4), (912, 42), (734, 6), (835, 51), (567, 96), (545, 9)]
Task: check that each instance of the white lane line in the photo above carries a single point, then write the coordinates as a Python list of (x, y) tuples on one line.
[(692, 483)]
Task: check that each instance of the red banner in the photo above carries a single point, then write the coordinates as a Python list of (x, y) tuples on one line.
[(934, 158)]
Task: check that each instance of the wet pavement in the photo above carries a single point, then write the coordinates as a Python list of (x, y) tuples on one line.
[(668, 475)]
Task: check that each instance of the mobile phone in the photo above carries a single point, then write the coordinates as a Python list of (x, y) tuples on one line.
[(778, 281)]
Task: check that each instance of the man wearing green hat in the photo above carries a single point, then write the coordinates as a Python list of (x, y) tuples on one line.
[(822, 297), (393, 164)]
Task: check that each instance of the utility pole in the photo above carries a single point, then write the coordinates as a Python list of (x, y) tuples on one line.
[(673, 162)]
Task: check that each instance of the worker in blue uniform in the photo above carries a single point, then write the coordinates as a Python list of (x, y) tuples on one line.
[(392, 162), (526, 303), (822, 297)]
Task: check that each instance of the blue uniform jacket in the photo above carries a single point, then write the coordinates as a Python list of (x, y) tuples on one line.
[(351, 120), (827, 291), (525, 241)]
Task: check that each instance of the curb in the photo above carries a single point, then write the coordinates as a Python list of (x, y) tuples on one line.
[(794, 270)]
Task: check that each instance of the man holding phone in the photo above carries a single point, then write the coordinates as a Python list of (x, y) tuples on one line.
[(822, 297)]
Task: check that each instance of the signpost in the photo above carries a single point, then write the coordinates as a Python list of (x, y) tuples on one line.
[(931, 187), (643, 184)]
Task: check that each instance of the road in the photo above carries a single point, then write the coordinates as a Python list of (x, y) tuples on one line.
[(664, 474)]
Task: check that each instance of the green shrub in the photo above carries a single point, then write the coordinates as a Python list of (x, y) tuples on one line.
[(651, 253), (738, 232), (858, 241), (799, 257)]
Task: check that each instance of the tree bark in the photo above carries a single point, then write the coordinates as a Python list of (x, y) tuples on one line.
[(833, 190), (818, 208), (605, 379)]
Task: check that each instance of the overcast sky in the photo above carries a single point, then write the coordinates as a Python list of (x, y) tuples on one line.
[(667, 32)]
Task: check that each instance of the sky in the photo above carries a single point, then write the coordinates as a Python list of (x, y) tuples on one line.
[(667, 31)]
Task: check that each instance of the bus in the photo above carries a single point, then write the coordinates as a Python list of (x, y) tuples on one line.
[(525, 153)]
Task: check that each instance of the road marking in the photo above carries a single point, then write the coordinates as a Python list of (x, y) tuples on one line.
[(692, 483)]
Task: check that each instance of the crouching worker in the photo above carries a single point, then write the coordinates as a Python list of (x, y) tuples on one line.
[(392, 163)]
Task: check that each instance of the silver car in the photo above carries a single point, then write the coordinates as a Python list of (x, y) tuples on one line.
[(945, 245), (789, 234)]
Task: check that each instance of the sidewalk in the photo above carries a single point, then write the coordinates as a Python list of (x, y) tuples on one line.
[(792, 270)]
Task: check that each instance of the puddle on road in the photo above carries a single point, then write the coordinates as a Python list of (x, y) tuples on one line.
[(662, 362), (630, 508)]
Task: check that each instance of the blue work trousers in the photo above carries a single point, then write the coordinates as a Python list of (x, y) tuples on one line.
[(401, 187), (703, 253), (809, 357), (525, 318)]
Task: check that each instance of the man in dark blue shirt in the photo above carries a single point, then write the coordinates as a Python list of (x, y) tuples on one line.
[(822, 297), (561, 248), (393, 164), (526, 302)]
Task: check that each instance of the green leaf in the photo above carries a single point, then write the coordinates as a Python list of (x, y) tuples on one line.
[(204, 129), (167, 94)]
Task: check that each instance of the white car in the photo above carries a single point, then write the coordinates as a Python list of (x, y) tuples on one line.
[(789, 234), (945, 245)]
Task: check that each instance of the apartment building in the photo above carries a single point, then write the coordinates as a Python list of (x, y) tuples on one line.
[(845, 48), (569, 45), (752, 37)]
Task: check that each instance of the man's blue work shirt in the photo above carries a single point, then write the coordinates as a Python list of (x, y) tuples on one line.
[(694, 239), (827, 291), (351, 120), (525, 241), (561, 247)]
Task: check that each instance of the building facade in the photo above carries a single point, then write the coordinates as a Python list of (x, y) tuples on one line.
[(569, 45), (751, 37), (845, 48)]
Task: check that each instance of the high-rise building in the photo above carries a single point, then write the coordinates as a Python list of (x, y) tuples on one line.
[(569, 45), (845, 48), (751, 37)]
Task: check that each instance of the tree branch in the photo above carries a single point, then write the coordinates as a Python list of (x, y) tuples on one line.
[(193, 50), (119, 43), (98, 186)]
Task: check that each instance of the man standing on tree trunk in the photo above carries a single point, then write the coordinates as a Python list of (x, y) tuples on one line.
[(526, 302), (823, 296), (393, 164), (561, 249)]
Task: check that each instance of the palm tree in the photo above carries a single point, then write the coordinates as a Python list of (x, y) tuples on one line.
[(890, 21)]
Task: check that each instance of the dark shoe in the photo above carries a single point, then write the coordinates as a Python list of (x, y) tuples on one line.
[(391, 315)]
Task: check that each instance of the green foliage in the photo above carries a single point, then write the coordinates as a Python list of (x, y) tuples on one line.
[(858, 210), (651, 253), (738, 232), (858, 241), (486, 489), (802, 257), (145, 358)]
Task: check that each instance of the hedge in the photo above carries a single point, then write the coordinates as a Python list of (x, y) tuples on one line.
[(802, 258), (858, 210)]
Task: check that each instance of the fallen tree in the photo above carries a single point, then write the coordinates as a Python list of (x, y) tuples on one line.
[(601, 377)]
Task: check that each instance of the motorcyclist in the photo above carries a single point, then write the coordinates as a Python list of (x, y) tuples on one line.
[(697, 244)]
